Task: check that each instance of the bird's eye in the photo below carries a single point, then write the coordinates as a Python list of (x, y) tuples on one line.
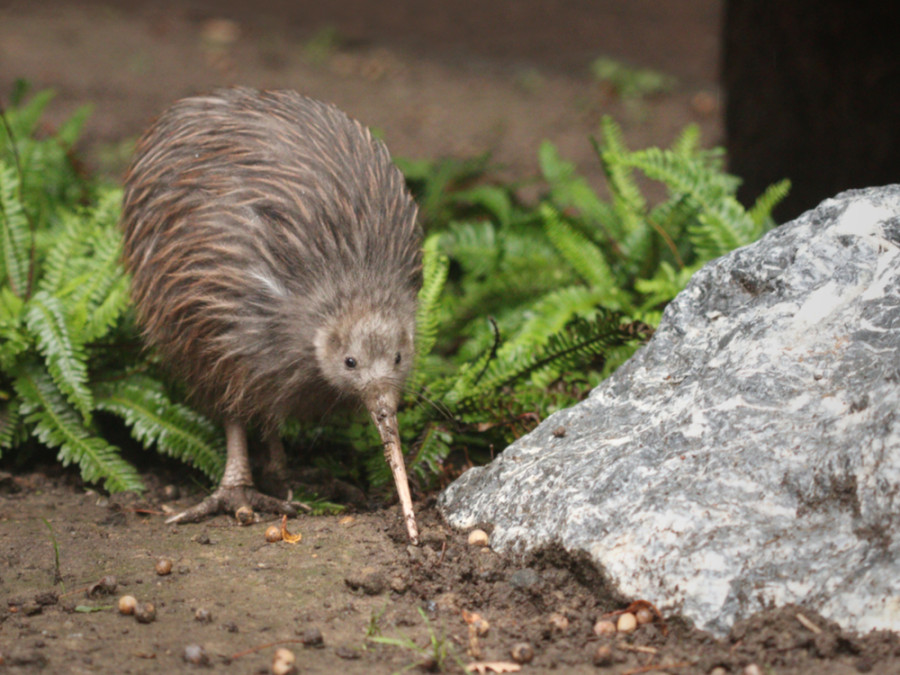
[(350, 362), (397, 359)]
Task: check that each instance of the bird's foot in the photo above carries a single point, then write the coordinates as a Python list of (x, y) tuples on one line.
[(241, 500)]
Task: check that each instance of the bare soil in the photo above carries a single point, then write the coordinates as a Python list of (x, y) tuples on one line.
[(349, 579), (438, 79)]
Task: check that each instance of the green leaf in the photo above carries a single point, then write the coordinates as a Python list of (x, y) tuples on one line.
[(10, 421), (15, 234), (493, 199), (761, 211), (89, 609), (56, 424), (435, 266), (65, 357), (154, 419), (70, 130), (583, 255), (23, 119), (571, 191)]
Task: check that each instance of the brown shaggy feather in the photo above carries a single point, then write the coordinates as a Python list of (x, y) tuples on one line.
[(270, 238)]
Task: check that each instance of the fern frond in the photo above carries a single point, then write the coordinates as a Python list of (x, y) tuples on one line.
[(10, 420), (69, 131), (580, 341), (721, 224), (571, 191), (23, 119), (712, 235), (435, 266), (628, 201), (431, 451), (153, 418), (663, 286), (688, 141), (553, 311), (761, 211), (15, 234), (64, 356), (459, 386), (107, 308), (474, 245), (13, 338), (68, 244), (102, 285), (495, 200), (56, 424), (584, 256)]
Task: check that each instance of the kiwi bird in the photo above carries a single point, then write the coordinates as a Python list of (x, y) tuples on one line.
[(275, 261)]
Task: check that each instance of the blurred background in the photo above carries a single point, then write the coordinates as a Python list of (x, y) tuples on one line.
[(435, 77), (813, 86)]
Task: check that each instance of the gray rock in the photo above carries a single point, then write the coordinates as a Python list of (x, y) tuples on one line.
[(749, 454)]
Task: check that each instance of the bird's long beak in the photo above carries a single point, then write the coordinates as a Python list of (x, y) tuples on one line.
[(385, 417)]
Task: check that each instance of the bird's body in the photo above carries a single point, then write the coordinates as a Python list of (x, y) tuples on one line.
[(275, 259)]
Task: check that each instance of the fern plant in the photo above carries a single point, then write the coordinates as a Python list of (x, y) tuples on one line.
[(524, 308), (67, 347), (640, 255), (543, 302)]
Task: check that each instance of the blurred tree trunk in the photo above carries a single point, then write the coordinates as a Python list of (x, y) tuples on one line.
[(813, 94)]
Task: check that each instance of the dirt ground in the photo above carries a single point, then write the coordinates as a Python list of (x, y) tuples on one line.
[(437, 78)]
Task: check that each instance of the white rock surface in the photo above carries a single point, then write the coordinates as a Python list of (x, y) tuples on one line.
[(750, 453)]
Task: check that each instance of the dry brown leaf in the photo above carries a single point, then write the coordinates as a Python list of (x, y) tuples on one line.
[(287, 536), (483, 667)]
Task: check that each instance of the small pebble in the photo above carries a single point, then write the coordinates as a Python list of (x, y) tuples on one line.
[(163, 567), (559, 432), (311, 637), (718, 670), (145, 613), (604, 627), (522, 652), (478, 538), (627, 623), (347, 653), (273, 533), (644, 615), (127, 604), (106, 586), (47, 598), (752, 669), (369, 581), (447, 602), (603, 656), (433, 536), (196, 655), (203, 615), (558, 622), (283, 662), (399, 584), (245, 516)]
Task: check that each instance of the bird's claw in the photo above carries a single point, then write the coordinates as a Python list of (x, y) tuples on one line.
[(233, 500)]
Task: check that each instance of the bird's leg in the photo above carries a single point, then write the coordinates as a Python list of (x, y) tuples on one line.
[(236, 487), (273, 472)]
